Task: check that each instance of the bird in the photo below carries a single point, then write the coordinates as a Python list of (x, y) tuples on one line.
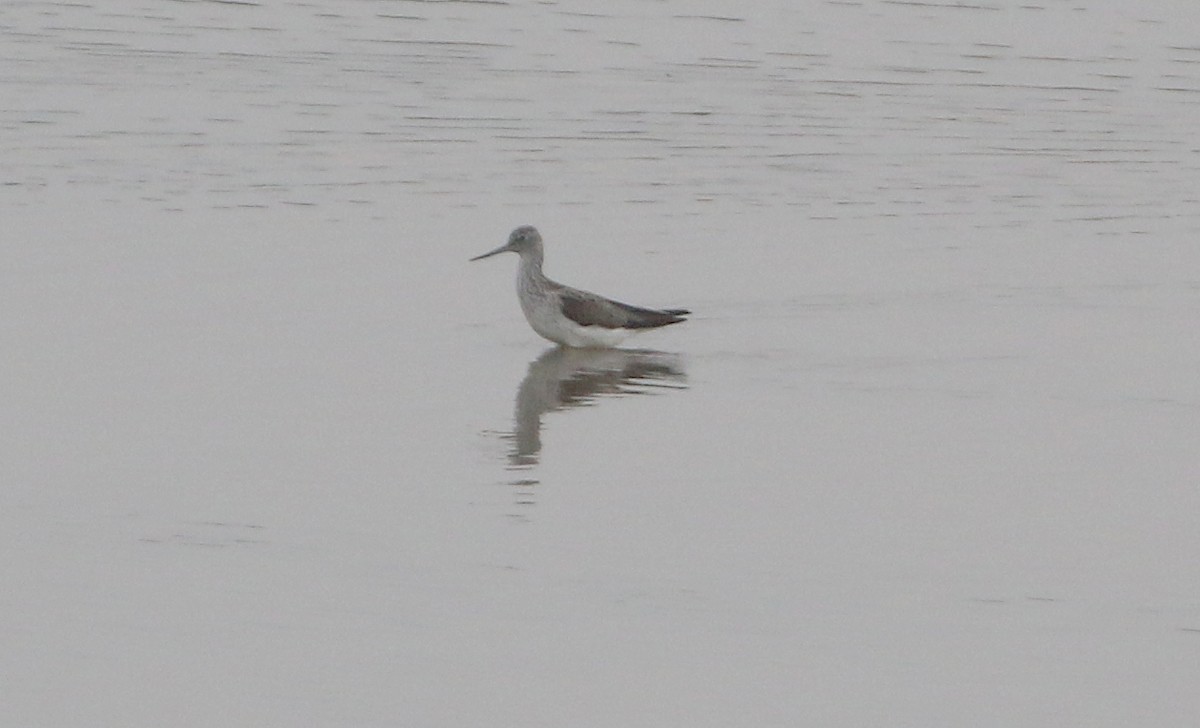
[(569, 316)]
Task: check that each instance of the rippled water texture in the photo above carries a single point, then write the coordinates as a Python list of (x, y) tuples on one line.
[(276, 454)]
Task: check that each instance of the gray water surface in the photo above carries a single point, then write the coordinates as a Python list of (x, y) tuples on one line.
[(276, 454)]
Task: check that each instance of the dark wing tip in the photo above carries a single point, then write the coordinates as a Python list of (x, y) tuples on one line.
[(650, 318), (588, 309)]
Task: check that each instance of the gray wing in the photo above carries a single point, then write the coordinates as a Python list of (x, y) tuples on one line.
[(588, 309)]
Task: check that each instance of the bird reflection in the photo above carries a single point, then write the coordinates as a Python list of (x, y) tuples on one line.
[(563, 378)]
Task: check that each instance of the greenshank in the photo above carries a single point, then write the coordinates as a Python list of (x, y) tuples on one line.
[(569, 316)]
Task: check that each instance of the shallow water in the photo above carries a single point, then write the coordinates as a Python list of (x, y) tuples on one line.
[(277, 454)]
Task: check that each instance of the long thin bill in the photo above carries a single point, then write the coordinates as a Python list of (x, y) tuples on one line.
[(497, 251)]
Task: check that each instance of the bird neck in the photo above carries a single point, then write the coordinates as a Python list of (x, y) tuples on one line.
[(531, 262)]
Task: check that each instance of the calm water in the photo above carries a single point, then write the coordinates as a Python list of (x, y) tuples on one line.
[(276, 454)]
